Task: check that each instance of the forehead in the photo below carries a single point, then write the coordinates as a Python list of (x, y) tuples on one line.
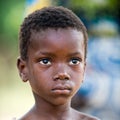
[(58, 34), (57, 40)]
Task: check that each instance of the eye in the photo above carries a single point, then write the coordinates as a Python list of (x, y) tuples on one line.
[(75, 61), (45, 61)]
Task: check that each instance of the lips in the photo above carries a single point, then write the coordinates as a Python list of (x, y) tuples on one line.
[(62, 89)]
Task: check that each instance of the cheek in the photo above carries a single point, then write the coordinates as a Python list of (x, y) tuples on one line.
[(78, 79), (40, 78), (78, 76), (40, 83)]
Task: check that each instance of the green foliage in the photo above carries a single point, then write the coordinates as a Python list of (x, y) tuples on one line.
[(92, 7), (10, 19)]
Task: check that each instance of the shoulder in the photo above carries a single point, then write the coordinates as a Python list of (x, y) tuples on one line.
[(83, 116), (88, 117)]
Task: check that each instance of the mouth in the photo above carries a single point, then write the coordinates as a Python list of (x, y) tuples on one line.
[(62, 89)]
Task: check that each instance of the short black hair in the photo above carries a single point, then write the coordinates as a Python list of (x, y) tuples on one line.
[(53, 17)]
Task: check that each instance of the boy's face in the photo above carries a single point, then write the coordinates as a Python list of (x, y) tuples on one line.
[(56, 65)]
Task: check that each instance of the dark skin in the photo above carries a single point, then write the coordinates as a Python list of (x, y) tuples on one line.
[(55, 70)]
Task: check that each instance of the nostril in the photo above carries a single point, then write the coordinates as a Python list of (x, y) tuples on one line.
[(62, 76), (66, 78)]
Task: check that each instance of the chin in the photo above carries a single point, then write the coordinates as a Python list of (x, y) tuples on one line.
[(60, 101)]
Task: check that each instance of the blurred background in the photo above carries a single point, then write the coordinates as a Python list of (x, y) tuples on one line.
[(100, 93)]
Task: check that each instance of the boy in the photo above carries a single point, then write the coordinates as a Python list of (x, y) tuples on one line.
[(53, 48)]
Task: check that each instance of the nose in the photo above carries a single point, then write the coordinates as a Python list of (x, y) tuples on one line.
[(61, 73), (62, 76)]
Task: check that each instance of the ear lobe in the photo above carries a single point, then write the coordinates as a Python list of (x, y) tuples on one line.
[(84, 71), (84, 65), (22, 68)]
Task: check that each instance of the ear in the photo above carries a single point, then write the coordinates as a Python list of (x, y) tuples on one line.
[(22, 68), (84, 71), (85, 65)]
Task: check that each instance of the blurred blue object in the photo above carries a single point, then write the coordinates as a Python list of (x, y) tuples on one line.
[(32, 5), (104, 55), (101, 86), (30, 2)]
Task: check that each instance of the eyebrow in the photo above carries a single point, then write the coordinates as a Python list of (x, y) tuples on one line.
[(53, 55), (75, 53), (48, 53)]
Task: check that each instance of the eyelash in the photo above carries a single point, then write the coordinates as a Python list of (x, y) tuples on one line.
[(75, 61), (45, 61), (72, 61)]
